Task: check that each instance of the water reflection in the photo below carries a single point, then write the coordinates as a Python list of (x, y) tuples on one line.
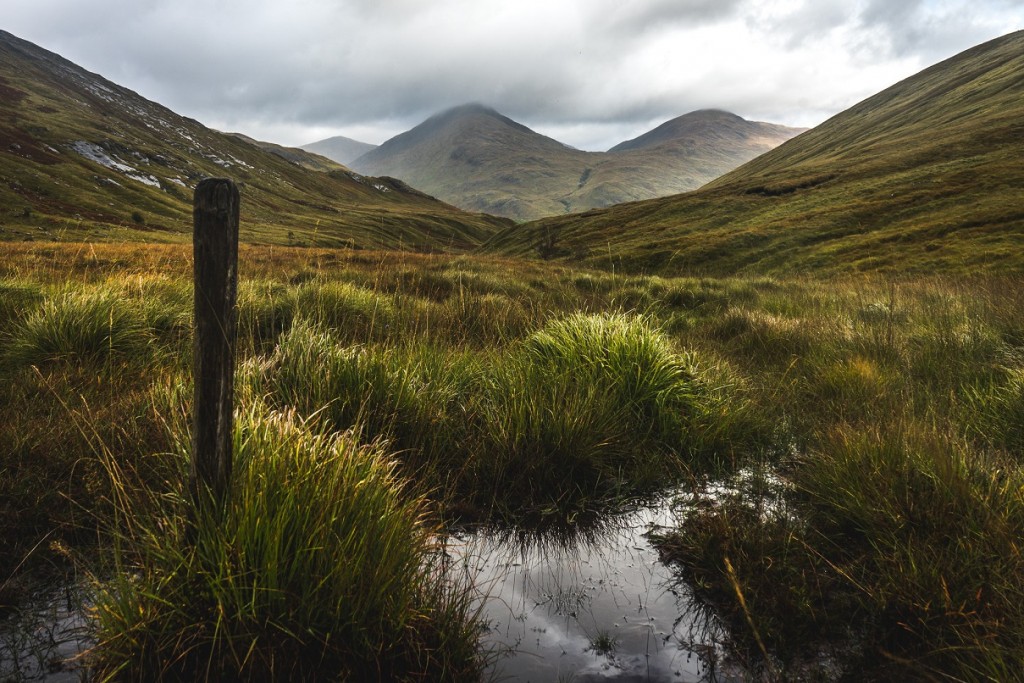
[(41, 639), (592, 605)]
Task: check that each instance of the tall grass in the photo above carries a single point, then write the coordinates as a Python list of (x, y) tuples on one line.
[(587, 407), (79, 326), (995, 413), (590, 408), (323, 566), (17, 300), (929, 534), (350, 387)]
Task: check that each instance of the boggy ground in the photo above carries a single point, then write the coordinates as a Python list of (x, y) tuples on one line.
[(439, 388)]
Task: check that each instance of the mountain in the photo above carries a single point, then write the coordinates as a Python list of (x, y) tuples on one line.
[(339, 148), (296, 155), (925, 176), (480, 160), (475, 158), (84, 158)]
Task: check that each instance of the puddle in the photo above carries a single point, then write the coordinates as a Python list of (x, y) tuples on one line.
[(40, 639), (599, 607)]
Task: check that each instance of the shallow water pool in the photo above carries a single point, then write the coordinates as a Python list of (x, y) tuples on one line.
[(597, 606)]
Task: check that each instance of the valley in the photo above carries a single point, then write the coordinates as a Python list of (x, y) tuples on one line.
[(766, 429)]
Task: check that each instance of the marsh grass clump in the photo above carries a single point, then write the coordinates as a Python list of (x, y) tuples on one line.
[(928, 531), (603, 643), (627, 358), (322, 566), (897, 549), (995, 413), (589, 406), (266, 310), (166, 306), (350, 387), (86, 325), (354, 313)]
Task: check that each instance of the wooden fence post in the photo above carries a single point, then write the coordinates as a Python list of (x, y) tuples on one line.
[(215, 250)]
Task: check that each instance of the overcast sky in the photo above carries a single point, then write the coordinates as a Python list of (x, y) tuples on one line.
[(590, 73)]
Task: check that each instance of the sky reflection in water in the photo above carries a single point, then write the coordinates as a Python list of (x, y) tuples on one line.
[(548, 600)]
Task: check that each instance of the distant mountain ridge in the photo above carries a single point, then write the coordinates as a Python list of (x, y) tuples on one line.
[(84, 158), (926, 176), (339, 148), (711, 125), (476, 158), (296, 155)]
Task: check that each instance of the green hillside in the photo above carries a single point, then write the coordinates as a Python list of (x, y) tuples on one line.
[(83, 158), (924, 177)]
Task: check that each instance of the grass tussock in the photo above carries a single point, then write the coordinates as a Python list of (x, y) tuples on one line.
[(79, 326), (323, 566)]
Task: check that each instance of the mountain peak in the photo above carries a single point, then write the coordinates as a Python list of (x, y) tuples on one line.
[(465, 127), (470, 111), (705, 124), (339, 148)]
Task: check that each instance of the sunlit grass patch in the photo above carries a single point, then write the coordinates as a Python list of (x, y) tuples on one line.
[(313, 371), (591, 408), (995, 413), (266, 310), (764, 336), (354, 313), (17, 301)]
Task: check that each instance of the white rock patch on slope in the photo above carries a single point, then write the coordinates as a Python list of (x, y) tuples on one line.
[(97, 154)]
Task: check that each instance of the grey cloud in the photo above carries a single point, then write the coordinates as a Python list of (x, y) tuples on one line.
[(640, 17), (933, 30), (582, 67), (807, 22)]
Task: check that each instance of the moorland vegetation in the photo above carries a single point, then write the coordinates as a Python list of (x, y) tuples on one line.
[(385, 395)]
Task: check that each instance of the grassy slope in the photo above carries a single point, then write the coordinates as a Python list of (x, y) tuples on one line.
[(923, 177), (50, 191), (480, 160)]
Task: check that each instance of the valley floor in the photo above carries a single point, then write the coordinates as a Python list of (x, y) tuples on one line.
[(877, 423)]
